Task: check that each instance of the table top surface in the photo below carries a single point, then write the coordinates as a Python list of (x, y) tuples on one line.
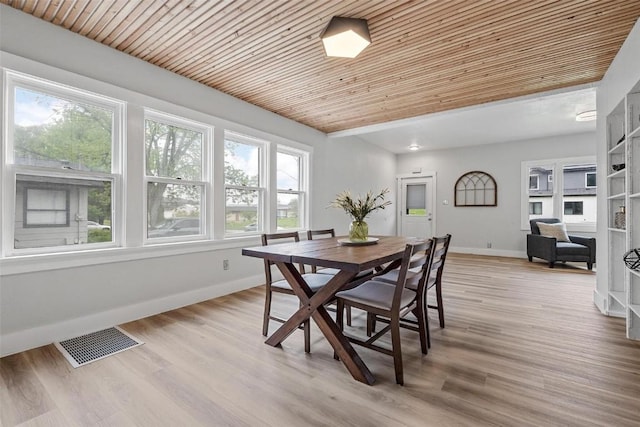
[(330, 253)]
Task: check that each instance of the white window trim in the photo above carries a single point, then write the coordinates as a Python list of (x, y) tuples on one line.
[(13, 79), (263, 182), (558, 165), (303, 191), (204, 182), (130, 199)]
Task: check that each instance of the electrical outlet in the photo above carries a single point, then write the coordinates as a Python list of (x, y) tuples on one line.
[(225, 264), (489, 245)]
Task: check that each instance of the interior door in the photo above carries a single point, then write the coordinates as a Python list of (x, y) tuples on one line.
[(415, 213)]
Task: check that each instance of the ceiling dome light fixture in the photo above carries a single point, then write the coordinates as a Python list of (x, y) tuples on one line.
[(586, 116), (345, 37), (414, 147)]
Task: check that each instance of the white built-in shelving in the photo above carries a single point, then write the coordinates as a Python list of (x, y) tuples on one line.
[(623, 200)]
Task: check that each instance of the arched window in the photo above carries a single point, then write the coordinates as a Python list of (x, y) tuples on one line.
[(476, 188)]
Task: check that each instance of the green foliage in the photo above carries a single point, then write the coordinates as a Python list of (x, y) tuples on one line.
[(360, 207), (97, 235), (78, 138)]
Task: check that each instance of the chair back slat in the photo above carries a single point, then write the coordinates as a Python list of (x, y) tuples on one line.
[(323, 234), (415, 256), (441, 247), (279, 238)]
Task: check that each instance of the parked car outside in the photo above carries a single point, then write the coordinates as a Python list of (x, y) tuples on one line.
[(92, 225), (177, 227)]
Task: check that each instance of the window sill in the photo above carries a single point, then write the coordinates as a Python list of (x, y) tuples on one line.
[(55, 261)]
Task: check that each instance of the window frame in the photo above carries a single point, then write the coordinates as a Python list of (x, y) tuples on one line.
[(303, 187), (261, 188), (574, 203), (586, 180), (537, 177), (531, 205), (204, 182), (11, 170), (558, 165)]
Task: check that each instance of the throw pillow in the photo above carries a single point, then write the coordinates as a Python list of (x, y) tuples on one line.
[(557, 230)]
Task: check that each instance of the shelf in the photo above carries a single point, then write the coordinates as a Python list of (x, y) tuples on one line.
[(634, 196), (635, 308), (634, 132), (619, 148), (617, 174), (635, 273), (620, 196), (617, 230), (619, 296)]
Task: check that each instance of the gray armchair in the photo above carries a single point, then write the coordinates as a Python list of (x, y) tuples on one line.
[(580, 249)]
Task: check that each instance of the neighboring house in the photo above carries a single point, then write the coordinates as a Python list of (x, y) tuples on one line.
[(51, 211), (579, 193)]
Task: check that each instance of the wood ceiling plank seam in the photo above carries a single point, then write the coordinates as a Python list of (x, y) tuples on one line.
[(212, 42), (240, 55), (161, 47), (78, 18), (40, 8), (229, 39), (256, 70), (52, 11), (30, 6), (467, 89), (87, 17), (445, 62), (263, 55), (142, 30), (448, 88), (115, 22), (146, 16), (65, 11), (123, 32), (174, 18), (188, 50), (380, 114), (105, 15)]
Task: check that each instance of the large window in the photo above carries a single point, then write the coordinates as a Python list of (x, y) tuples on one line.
[(244, 179), (63, 145), (176, 184), (560, 188)]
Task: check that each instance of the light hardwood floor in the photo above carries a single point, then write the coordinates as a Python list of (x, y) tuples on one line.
[(523, 346)]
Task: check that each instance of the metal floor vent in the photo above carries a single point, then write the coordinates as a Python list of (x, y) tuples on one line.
[(88, 348)]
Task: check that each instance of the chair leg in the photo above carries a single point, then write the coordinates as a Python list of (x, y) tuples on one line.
[(551, 264), (423, 325), (590, 266), (440, 304), (339, 321), (306, 328), (530, 259), (371, 324), (348, 307), (397, 351), (267, 313)]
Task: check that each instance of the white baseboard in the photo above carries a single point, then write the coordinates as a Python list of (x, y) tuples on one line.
[(36, 337), (489, 252)]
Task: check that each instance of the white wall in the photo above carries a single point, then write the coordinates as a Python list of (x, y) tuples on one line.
[(622, 75), (45, 299), (473, 227)]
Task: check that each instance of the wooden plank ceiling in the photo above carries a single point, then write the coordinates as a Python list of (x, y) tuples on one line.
[(426, 56)]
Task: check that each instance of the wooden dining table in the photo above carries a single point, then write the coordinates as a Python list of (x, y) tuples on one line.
[(350, 260)]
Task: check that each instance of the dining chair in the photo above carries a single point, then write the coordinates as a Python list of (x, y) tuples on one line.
[(391, 301), (434, 280), (315, 282), (360, 277)]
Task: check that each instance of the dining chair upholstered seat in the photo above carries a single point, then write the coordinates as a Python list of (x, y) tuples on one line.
[(392, 302), (433, 279), (360, 277), (315, 282)]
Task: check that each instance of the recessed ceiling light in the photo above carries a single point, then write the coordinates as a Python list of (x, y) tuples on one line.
[(414, 147), (345, 37), (586, 116)]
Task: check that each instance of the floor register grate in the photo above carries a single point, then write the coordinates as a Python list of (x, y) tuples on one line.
[(88, 348)]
